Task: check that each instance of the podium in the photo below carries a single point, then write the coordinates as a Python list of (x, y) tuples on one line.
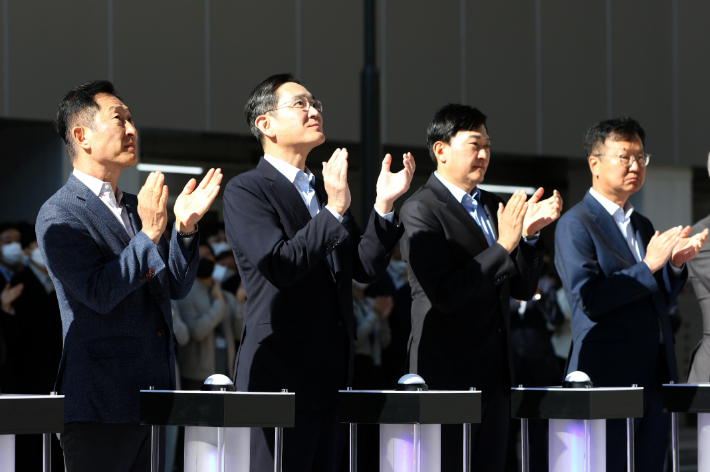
[(410, 424), (689, 398), (29, 414), (577, 418), (217, 424)]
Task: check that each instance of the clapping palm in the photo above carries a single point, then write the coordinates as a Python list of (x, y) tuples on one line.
[(391, 186), (541, 213), (193, 202)]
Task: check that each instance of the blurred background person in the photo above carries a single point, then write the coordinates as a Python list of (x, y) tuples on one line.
[(226, 271), (13, 257), (210, 314), (373, 334)]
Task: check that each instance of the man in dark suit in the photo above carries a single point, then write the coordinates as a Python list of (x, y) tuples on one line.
[(114, 275), (466, 254), (298, 249), (621, 276)]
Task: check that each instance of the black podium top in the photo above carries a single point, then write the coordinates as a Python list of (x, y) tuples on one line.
[(576, 403), (218, 409), (686, 398), (418, 407), (31, 414)]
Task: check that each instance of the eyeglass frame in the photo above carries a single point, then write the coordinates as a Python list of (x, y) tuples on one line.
[(647, 159), (309, 103)]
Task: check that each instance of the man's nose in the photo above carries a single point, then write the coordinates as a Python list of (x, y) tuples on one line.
[(131, 129), (312, 112), (634, 165)]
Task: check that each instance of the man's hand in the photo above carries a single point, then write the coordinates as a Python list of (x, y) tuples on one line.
[(152, 206), (9, 295), (391, 186), (335, 178), (660, 248), (510, 221), (541, 213), (193, 203), (383, 307), (687, 248)]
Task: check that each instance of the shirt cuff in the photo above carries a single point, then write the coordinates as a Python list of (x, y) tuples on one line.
[(389, 216), (677, 271), (335, 214)]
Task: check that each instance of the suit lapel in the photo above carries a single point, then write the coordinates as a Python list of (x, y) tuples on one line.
[(643, 233), (457, 210), (490, 204), (608, 226), (99, 208), (322, 201), (285, 191), (131, 203)]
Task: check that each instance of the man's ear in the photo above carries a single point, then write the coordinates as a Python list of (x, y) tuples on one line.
[(438, 149), (80, 135), (594, 162), (264, 123)]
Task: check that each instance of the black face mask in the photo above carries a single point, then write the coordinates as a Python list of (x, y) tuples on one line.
[(205, 268)]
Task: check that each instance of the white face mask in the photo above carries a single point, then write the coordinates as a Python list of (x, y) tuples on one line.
[(360, 286), (12, 253), (37, 258), (221, 273), (219, 248)]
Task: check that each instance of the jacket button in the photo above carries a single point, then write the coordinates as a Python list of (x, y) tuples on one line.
[(155, 295), (151, 272), (161, 333)]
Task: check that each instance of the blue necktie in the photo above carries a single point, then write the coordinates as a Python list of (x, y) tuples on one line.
[(471, 204)]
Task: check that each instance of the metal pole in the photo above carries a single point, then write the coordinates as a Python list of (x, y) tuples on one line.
[(524, 446), (278, 449), (370, 114), (674, 442), (47, 452), (417, 448), (154, 445), (353, 447), (587, 448), (467, 447), (630, 463)]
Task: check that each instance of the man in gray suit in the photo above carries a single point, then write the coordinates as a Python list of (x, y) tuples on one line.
[(699, 274), (114, 275)]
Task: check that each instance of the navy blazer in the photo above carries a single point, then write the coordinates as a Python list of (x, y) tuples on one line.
[(298, 319), (114, 295), (617, 303)]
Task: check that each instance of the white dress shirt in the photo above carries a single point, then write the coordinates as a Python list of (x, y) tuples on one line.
[(112, 199), (305, 185)]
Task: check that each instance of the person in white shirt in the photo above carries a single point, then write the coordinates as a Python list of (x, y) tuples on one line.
[(621, 276)]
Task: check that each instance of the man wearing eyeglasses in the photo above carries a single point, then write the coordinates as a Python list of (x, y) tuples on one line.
[(298, 249), (621, 276)]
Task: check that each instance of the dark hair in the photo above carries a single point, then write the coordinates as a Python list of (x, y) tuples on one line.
[(615, 129), (449, 120), (78, 108), (264, 98)]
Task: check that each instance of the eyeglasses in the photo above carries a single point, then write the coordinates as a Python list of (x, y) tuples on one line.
[(628, 161), (300, 103)]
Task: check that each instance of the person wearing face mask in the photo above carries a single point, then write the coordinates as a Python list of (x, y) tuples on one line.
[(11, 259), (34, 347), (210, 314), (225, 269)]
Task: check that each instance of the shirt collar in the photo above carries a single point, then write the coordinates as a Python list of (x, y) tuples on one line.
[(614, 210), (292, 173), (458, 193), (97, 186)]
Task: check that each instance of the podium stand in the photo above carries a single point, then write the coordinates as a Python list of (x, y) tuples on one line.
[(689, 398), (29, 414), (577, 418), (219, 437), (410, 424)]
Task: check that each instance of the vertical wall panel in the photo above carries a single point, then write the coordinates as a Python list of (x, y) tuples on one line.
[(501, 71), (423, 66), (159, 61), (642, 64), (573, 73), (250, 41), (53, 47)]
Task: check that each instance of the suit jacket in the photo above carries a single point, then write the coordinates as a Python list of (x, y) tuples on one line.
[(461, 289), (699, 273), (619, 308), (114, 295), (298, 318)]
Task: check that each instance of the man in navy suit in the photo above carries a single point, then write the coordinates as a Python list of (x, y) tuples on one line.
[(620, 276), (298, 249), (114, 275)]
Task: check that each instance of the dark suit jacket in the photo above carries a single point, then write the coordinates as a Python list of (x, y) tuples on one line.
[(298, 318), (461, 289), (699, 273), (114, 295), (616, 302)]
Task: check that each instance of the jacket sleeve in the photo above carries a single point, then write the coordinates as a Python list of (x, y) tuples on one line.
[(595, 292), (449, 284), (75, 259), (182, 262), (372, 250)]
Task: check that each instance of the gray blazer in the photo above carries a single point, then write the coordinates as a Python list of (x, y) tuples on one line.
[(114, 295), (699, 273)]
